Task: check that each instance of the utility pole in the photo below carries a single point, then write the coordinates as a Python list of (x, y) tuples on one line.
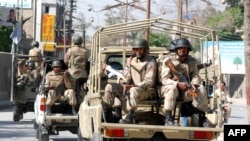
[(148, 17), (71, 9), (121, 3), (180, 11)]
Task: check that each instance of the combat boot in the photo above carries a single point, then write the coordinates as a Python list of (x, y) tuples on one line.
[(118, 114), (129, 119), (169, 119), (108, 115)]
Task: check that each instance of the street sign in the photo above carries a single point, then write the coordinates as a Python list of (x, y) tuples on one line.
[(48, 28)]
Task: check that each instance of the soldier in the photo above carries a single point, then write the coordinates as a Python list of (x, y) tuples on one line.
[(35, 54), (33, 75), (77, 60), (141, 78), (163, 57), (172, 84), (57, 85), (112, 99)]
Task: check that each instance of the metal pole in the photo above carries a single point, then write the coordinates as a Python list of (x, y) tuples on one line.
[(64, 35), (64, 31), (84, 35), (148, 17)]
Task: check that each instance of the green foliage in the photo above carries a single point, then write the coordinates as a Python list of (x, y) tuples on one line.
[(233, 3), (5, 41), (226, 23), (159, 40)]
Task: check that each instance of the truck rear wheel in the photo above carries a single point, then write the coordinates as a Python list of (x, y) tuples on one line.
[(41, 136)]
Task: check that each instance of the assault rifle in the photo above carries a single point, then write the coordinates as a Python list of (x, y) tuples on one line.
[(182, 78), (115, 72)]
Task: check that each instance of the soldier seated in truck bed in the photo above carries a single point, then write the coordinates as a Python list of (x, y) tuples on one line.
[(58, 87)]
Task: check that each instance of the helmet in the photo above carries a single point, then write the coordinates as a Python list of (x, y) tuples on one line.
[(31, 64), (171, 46), (56, 63), (78, 40), (140, 43), (35, 44), (183, 42)]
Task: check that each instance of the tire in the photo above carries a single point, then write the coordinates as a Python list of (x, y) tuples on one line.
[(41, 136), (37, 133), (17, 114)]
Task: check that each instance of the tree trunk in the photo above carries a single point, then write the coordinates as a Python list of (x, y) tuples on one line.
[(247, 53)]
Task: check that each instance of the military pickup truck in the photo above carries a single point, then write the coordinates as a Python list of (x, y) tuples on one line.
[(149, 117), (24, 84), (61, 117)]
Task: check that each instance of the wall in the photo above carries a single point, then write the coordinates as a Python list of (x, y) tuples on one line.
[(5, 75)]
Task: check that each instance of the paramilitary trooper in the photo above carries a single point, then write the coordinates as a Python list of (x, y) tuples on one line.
[(57, 84)]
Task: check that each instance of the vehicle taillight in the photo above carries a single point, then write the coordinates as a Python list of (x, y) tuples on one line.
[(42, 104), (116, 132), (201, 135)]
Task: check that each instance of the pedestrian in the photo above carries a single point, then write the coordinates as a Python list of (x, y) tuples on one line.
[(180, 78), (11, 17), (225, 99), (58, 87), (76, 59), (141, 78)]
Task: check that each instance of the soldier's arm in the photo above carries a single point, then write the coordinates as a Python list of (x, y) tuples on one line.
[(66, 56)]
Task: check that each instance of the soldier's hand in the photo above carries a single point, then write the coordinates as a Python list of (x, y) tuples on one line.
[(104, 65), (129, 61), (175, 78), (127, 87), (192, 93), (182, 86)]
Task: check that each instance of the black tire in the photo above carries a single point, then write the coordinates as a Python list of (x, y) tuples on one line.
[(17, 114), (41, 136), (37, 133)]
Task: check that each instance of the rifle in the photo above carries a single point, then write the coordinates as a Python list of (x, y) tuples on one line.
[(115, 72), (204, 65), (182, 78)]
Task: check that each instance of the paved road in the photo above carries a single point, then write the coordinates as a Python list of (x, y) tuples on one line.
[(23, 130)]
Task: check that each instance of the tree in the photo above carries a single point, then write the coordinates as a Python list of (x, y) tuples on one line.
[(226, 23), (5, 41), (237, 61), (247, 53)]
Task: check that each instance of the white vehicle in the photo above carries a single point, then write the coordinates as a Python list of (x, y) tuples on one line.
[(61, 117), (149, 118)]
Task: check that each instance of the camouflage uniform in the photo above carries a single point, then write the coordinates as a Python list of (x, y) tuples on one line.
[(60, 91), (76, 58), (169, 89), (143, 74)]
